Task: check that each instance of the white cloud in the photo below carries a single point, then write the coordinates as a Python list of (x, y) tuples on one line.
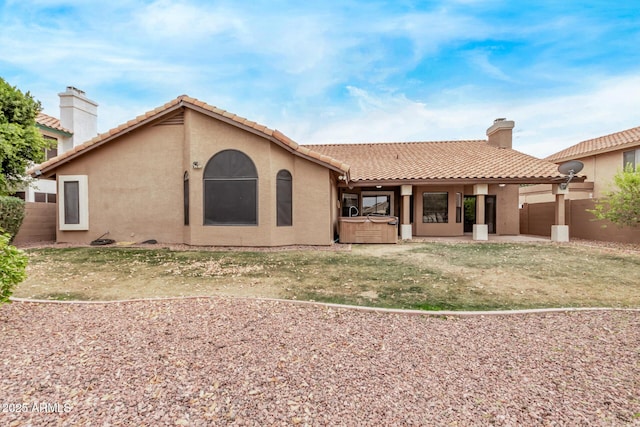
[(543, 126), (481, 60), (168, 19)]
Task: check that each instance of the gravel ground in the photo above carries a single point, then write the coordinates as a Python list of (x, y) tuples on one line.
[(226, 361)]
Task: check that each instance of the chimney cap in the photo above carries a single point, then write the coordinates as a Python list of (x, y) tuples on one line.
[(75, 89), (500, 119)]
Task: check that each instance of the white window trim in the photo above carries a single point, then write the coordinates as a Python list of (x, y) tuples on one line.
[(379, 193), (83, 198)]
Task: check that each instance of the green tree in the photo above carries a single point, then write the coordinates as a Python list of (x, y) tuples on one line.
[(21, 144), (13, 264), (621, 205)]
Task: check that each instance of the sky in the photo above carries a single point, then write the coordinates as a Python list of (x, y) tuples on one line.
[(342, 71)]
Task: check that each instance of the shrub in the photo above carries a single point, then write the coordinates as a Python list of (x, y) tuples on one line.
[(622, 204), (13, 264), (11, 215)]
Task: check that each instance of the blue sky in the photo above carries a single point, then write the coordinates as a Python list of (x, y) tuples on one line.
[(342, 71)]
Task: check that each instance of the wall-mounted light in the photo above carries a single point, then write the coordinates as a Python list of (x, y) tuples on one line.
[(196, 165), (378, 186), (501, 185)]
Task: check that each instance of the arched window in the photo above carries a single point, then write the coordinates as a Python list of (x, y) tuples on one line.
[(185, 189), (230, 190), (284, 199)]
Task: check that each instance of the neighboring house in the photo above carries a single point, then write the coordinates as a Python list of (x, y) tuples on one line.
[(602, 157), (191, 173), (77, 124)]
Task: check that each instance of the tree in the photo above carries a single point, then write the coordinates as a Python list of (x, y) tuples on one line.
[(21, 144), (622, 205)]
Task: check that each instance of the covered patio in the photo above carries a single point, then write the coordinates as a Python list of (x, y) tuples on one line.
[(441, 189)]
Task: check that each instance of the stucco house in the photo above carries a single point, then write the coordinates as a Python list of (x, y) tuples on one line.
[(77, 123), (602, 157), (191, 173)]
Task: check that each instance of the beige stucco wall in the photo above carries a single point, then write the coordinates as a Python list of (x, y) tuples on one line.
[(436, 229), (507, 218), (606, 165), (311, 189), (542, 193), (136, 188), (599, 171)]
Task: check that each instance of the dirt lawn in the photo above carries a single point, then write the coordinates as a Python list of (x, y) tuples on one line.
[(420, 275)]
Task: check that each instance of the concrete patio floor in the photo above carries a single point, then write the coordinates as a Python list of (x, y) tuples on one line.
[(492, 238)]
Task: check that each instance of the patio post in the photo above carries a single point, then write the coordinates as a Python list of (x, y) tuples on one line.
[(480, 229), (559, 231), (406, 230)]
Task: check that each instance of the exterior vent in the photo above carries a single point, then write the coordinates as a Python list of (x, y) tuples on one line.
[(177, 119)]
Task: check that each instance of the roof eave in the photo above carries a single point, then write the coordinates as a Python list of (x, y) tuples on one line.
[(53, 130), (461, 181), (594, 152), (274, 136), (47, 170)]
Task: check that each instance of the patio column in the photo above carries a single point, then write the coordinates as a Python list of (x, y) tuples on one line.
[(560, 231), (406, 231), (480, 229)]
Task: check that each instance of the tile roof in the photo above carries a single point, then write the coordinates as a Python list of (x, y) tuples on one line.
[(602, 144), (185, 101), (50, 122), (443, 160)]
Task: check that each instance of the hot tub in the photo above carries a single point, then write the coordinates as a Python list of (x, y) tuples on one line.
[(369, 229)]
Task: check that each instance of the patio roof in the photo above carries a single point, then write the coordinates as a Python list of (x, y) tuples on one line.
[(440, 161)]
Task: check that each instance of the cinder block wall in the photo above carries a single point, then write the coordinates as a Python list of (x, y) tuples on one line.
[(537, 219), (39, 224)]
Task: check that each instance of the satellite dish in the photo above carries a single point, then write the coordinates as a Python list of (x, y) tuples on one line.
[(571, 167)]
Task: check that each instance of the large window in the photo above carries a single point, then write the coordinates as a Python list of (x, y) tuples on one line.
[(230, 190), (435, 207), (74, 204), (377, 203), (284, 199), (631, 158)]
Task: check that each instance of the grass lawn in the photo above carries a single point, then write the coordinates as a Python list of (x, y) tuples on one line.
[(429, 276)]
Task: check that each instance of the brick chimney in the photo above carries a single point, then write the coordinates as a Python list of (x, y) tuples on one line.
[(79, 114), (501, 133)]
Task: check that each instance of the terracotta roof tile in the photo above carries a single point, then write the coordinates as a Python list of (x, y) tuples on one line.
[(602, 144), (186, 101), (436, 161), (51, 122)]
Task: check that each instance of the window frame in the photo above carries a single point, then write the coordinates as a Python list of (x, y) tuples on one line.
[(347, 203), (287, 201), (217, 180), (636, 158), (389, 194), (83, 203), (446, 212), (185, 191)]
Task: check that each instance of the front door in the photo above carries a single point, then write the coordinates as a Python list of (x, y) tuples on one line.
[(489, 213)]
